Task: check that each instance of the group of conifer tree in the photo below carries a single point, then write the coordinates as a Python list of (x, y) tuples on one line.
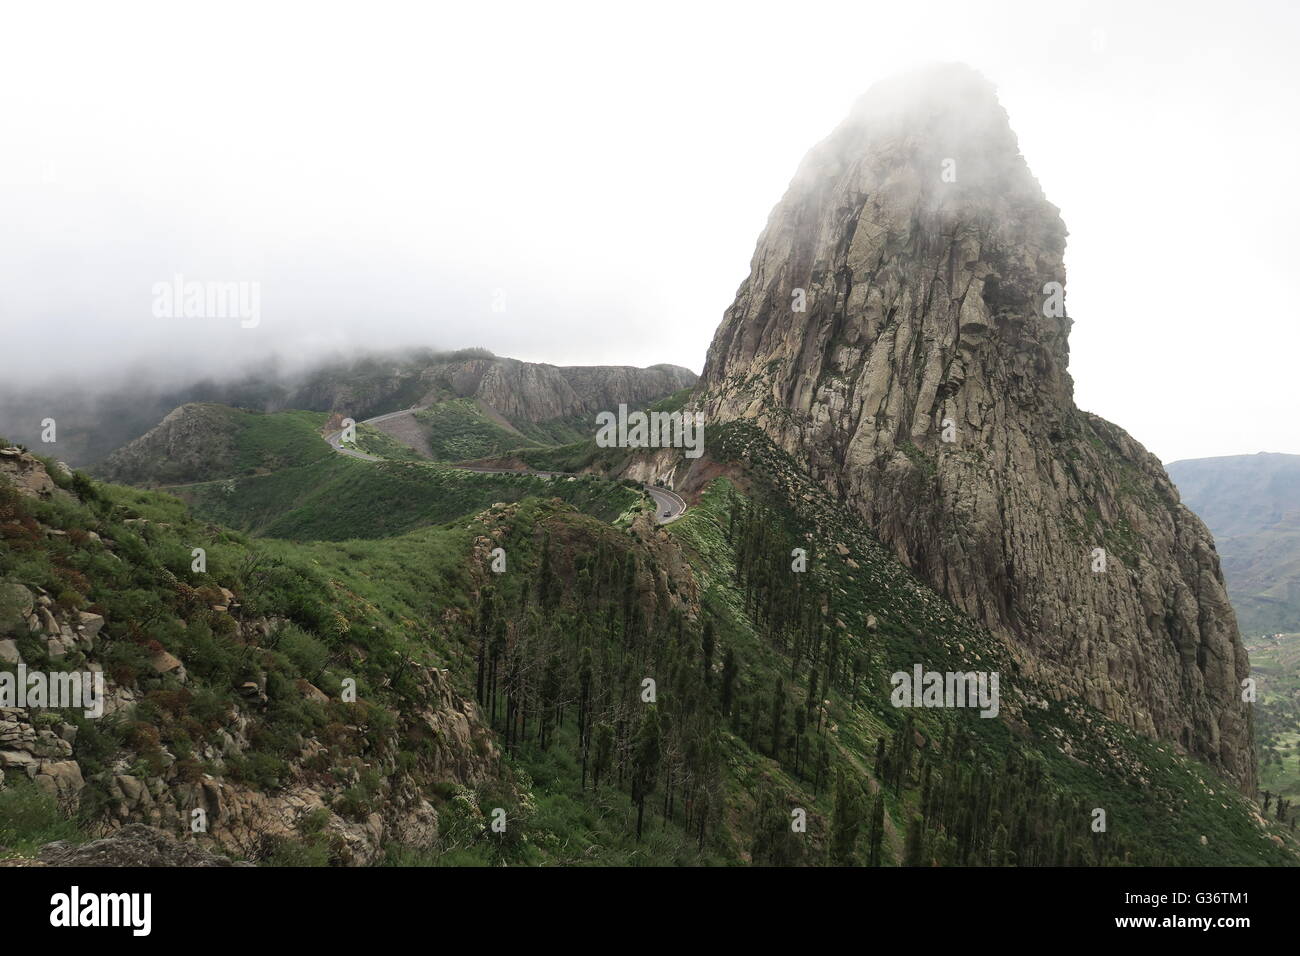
[(564, 654), (966, 814)]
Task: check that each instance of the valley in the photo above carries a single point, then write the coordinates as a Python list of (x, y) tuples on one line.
[(772, 690), (501, 625), (669, 506), (1275, 664)]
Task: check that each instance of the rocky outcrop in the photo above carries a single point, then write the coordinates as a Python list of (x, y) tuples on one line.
[(899, 334), (456, 748), (133, 845), (26, 472), (529, 392), (518, 391)]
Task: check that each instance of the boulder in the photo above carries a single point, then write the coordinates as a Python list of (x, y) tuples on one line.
[(16, 605), (91, 624), (61, 779), (27, 473), (132, 845), (49, 624), (165, 663)]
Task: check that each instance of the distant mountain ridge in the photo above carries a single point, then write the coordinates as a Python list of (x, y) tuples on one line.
[(92, 424), (1252, 505)]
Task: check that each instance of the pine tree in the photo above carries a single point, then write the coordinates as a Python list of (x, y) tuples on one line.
[(846, 821), (823, 766), (552, 684), (729, 671), (548, 591), (914, 846), (877, 832), (645, 763), (706, 647), (604, 747), (778, 715)]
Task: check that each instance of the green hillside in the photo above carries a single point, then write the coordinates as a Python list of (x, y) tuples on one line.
[(459, 431), (455, 429), (1251, 503), (581, 453), (202, 441), (1275, 665), (770, 687), (341, 497), (273, 474)]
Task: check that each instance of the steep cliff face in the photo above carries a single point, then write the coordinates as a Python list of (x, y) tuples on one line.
[(530, 392), (519, 391), (925, 382)]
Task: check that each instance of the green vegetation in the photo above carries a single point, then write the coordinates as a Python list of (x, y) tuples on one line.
[(458, 430), (678, 696), (271, 441), (555, 431), (581, 453), (341, 497), (878, 619), (672, 403), (221, 441), (1248, 502), (1275, 665), (291, 630), (583, 456), (30, 818), (372, 441)]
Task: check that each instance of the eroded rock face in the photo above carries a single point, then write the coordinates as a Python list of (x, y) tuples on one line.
[(518, 391), (532, 392), (26, 472), (925, 382)]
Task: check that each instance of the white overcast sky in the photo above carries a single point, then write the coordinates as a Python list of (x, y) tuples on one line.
[(383, 170)]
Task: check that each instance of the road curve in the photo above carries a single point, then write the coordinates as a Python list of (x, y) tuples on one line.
[(669, 506)]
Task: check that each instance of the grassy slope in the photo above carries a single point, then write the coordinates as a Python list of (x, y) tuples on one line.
[(151, 599), (340, 498), (374, 442), (1153, 797), (459, 431), (407, 592), (388, 582), (235, 441), (270, 441)]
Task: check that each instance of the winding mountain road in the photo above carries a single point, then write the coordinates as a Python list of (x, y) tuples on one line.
[(669, 506)]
